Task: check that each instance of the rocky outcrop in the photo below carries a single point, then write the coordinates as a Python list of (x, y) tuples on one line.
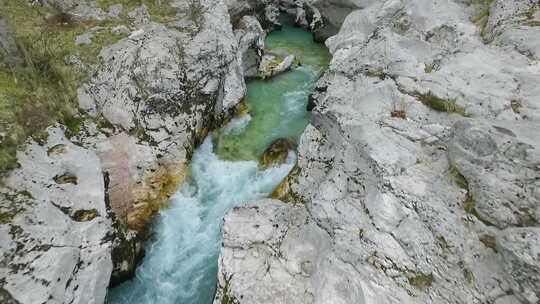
[(56, 229), (166, 86), (78, 209), (273, 64), (250, 36), (266, 11), (514, 24), (417, 177), (9, 52), (500, 164), (83, 10), (162, 89), (323, 17), (520, 248)]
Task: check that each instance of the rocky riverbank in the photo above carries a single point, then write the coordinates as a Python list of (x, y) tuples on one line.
[(75, 211), (418, 178)]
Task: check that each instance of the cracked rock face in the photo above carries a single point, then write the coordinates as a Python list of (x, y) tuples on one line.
[(56, 232), (520, 248), (417, 177), (501, 166)]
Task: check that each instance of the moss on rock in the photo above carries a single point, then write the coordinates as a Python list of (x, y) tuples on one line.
[(154, 194), (284, 191), (276, 153), (441, 104)]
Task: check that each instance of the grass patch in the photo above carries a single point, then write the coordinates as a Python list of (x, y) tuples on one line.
[(73, 124), (481, 21), (441, 243), (227, 297), (41, 91), (441, 104)]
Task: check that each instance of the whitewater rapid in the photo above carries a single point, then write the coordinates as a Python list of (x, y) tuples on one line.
[(180, 265), (181, 259)]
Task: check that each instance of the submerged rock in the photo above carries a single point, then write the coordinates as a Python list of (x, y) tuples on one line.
[(276, 153)]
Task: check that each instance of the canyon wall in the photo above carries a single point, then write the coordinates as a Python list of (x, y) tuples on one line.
[(418, 178)]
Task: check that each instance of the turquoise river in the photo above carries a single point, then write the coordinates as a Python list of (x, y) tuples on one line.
[(180, 265)]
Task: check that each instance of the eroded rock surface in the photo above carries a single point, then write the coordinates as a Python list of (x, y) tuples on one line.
[(76, 213), (520, 248), (500, 163), (56, 233), (417, 177), (274, 64), (162, 89), (9, 52)]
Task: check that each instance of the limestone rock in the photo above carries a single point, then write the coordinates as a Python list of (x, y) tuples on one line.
[(273, 64), (83, 10), (520, 248), (165, 86), (9, 52), (56, 232), (323, 17), (514, 24), (250, 36), (388, 199), (86, 38), (500, 161), (157, 94), (115, 10), (140, 15), (121, 29), (266, 11)]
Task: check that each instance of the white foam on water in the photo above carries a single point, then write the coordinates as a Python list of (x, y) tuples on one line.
[(180, 265), (237, 125)]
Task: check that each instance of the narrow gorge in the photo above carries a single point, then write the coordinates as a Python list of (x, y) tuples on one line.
[(180, 265), (270, 151)]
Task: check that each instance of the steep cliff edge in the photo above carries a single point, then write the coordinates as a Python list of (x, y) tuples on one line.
[(418, 177)]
